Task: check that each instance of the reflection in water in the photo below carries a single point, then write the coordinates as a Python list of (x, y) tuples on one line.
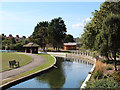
[(55, 78), (70, 73)]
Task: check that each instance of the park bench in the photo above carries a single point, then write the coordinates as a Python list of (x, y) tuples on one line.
[(13, 63)]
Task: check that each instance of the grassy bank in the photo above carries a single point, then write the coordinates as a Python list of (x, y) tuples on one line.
[(6, 57), (104, 76), (49, 61)]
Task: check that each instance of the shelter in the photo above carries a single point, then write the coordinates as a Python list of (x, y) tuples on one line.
[(31, 48), (69, 46)]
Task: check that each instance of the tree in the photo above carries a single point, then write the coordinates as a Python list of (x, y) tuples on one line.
[(40, 34), (88, 37), (97, 35), (111, 32), (13, 40), (92, 29), (68, 38), (57, 32), (26, 41)]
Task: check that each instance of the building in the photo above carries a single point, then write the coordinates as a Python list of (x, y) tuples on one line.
[(17, 38), (69, 46), (10, 36), (31, 48)]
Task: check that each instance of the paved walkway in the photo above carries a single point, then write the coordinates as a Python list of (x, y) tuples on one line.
[(37, 61)]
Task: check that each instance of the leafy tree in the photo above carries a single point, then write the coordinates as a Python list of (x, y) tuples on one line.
[(40, 34), (6, 42), (99, 35), (2, 37), (68, 38), (18, 46), (88, 37), (12, 47), (101, 44), (92, 29), (13, 40), (111, 32), (26, 41), (57, 32)]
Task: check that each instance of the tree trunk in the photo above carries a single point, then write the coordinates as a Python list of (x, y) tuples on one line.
[(58, 48), (44, 48), (115, 62), (54, 47), (107, 56)]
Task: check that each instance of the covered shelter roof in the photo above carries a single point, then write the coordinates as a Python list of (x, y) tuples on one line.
[(69, 44), (31, 44)]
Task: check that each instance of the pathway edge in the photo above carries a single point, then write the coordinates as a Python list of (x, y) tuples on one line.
[(13, 81)]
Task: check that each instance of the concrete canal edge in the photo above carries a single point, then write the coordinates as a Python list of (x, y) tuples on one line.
[(80, 56), (24, 78), (88, 77)]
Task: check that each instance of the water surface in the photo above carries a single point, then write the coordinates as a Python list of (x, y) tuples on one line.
[(70, 73), (8, 51)]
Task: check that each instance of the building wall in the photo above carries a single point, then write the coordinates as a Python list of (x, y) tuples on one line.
[(31, 50), (69, 47)]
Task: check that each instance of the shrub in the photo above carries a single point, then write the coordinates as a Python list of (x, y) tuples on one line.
[(94, 54), (105, 76), (100, 66), (109, 68), (97, 75), (117, 76), (103, 83), (12, 47), (109, 75)]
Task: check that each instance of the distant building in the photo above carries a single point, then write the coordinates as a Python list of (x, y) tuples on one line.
[(17, 38), (69, 46), (23, 37), (10, 36), (3, 34)]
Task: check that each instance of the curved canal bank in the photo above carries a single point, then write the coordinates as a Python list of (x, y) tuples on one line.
[(70, 73), (32, 73), (85, 56), (88, 58), (81, 77)]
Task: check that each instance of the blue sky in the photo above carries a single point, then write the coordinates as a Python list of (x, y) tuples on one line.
[(20, 18)]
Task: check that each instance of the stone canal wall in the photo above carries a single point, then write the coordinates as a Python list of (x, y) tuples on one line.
[(76, 54), (84, 55), (57, 54)]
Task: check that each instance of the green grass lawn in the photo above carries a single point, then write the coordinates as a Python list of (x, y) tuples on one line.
[(49, 61), (6, 57)]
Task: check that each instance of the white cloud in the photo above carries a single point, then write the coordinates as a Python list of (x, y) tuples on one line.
[(80, 26), (77, 26), (87, 20)]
